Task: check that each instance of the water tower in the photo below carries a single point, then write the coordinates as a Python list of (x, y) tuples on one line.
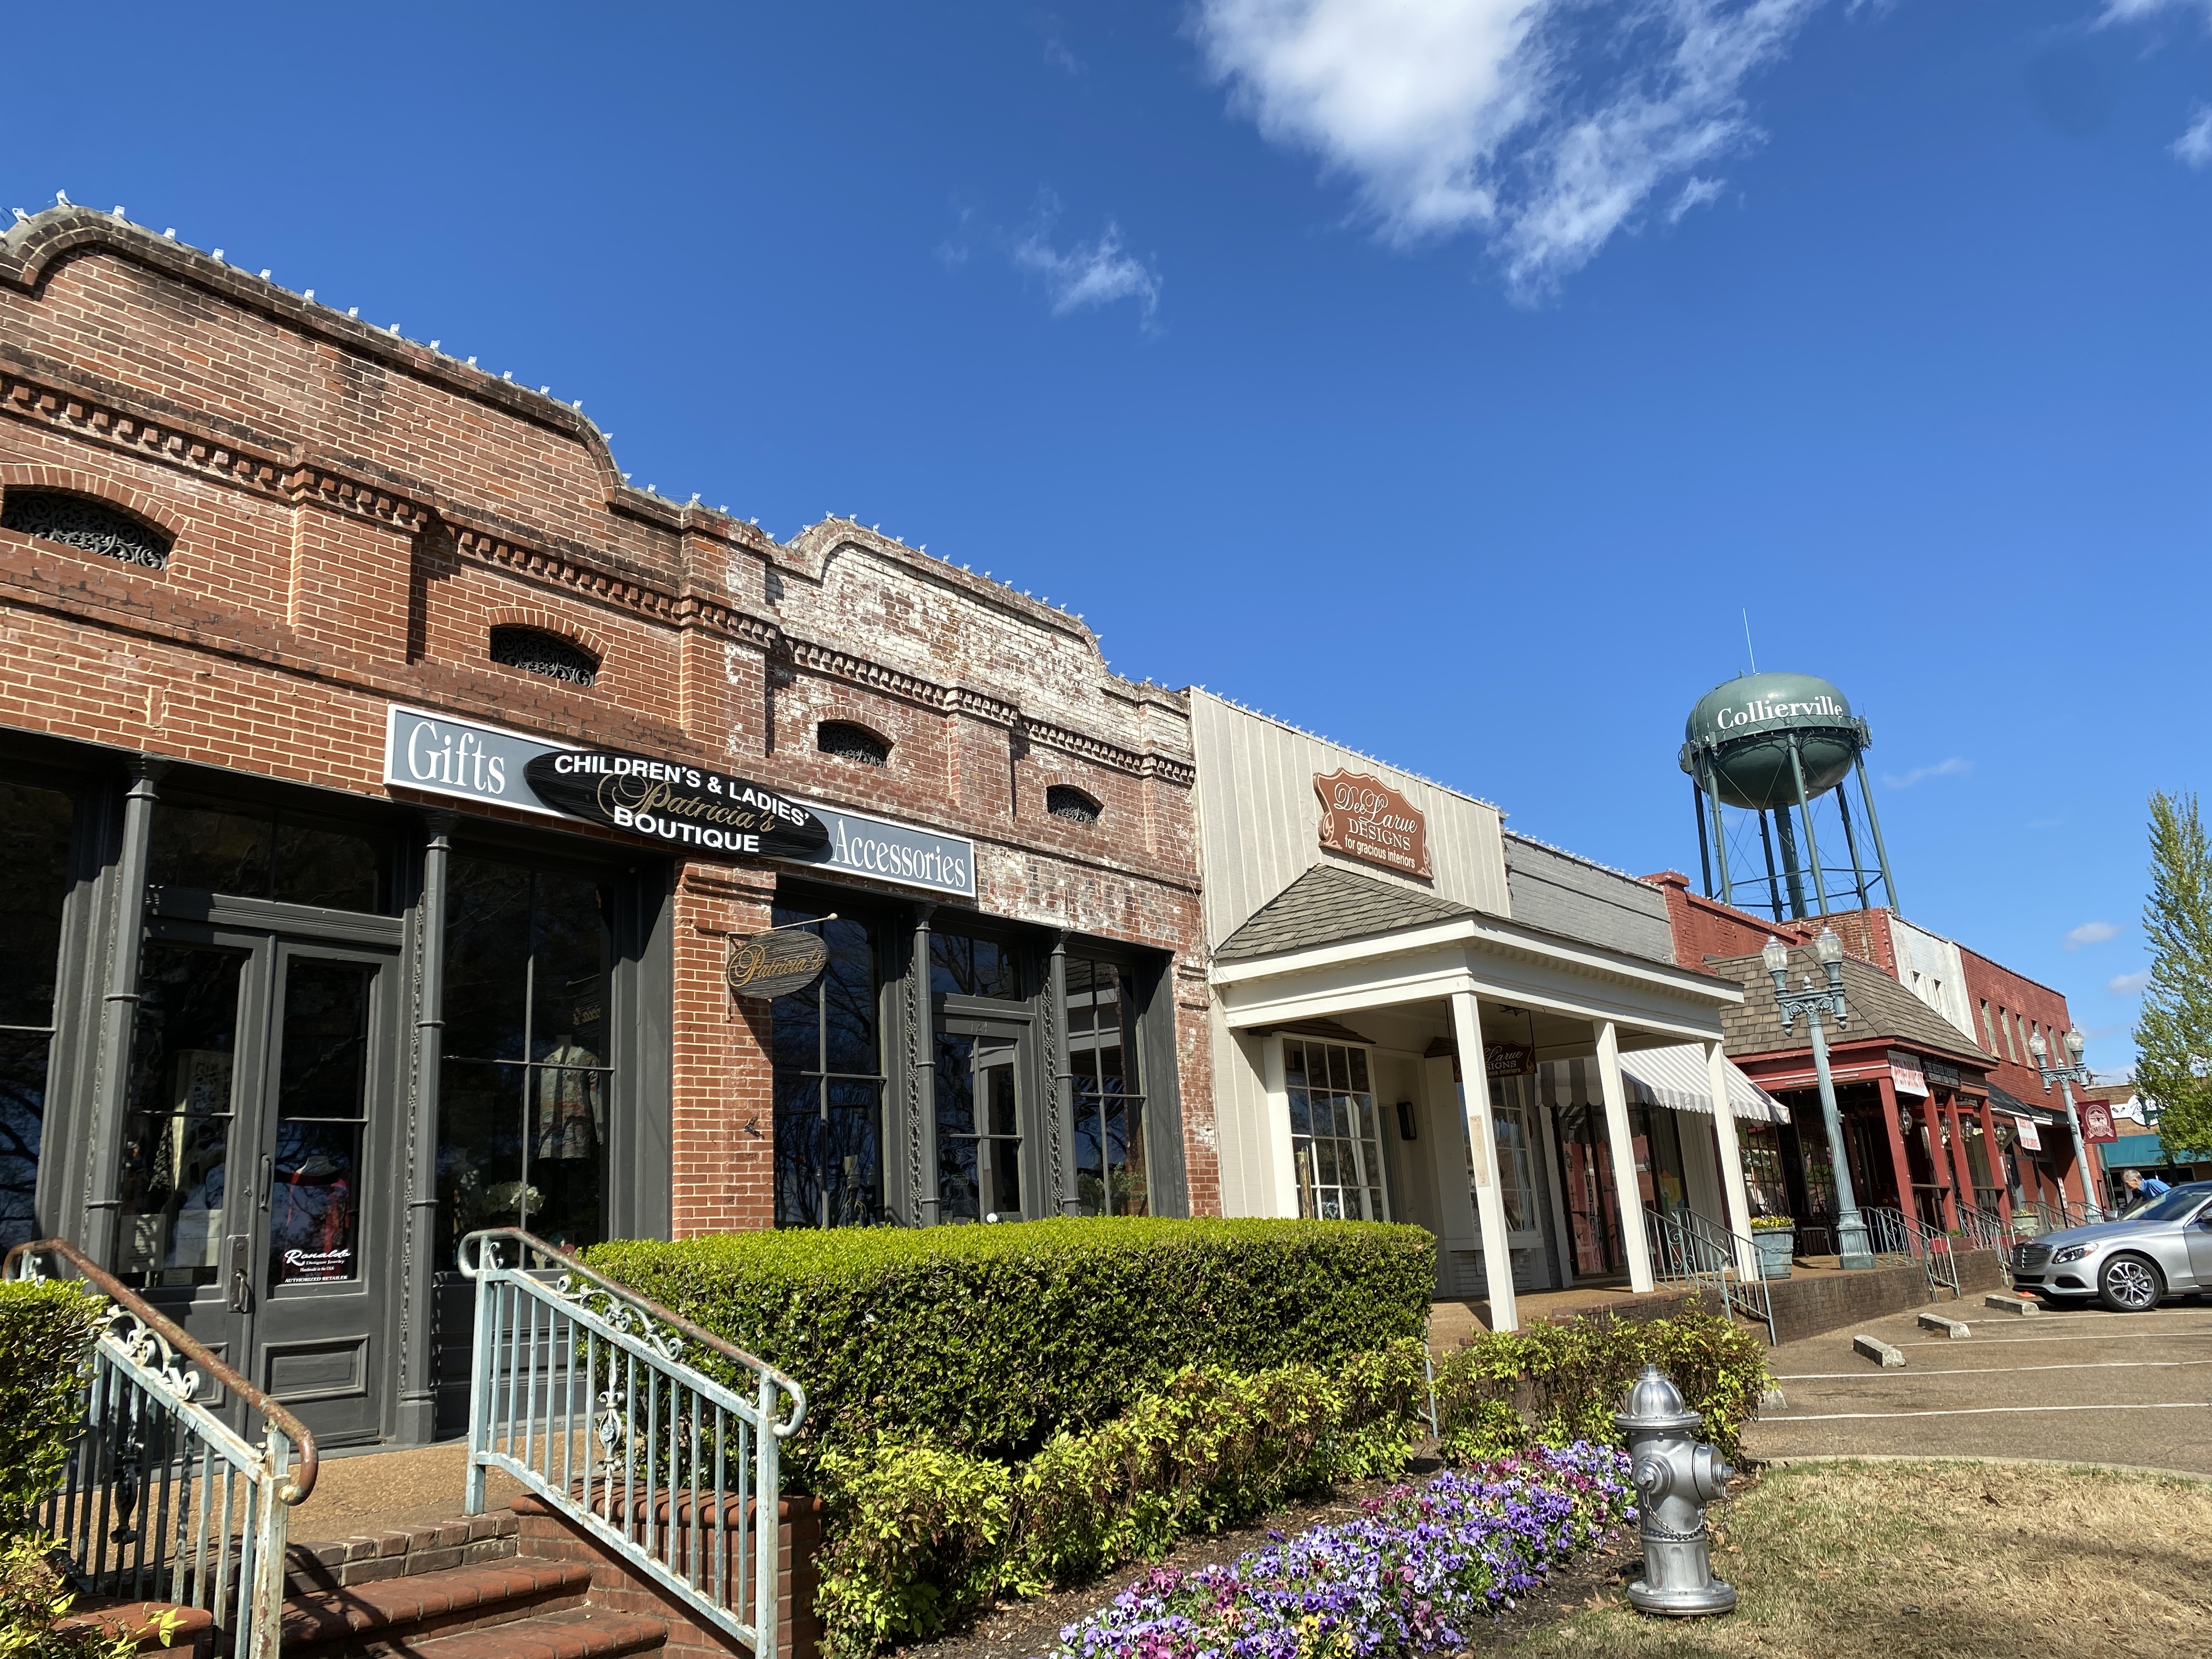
[(1782, 747)]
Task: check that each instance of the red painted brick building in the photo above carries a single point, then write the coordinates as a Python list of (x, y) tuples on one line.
[(1942, 1102), (305, 982)]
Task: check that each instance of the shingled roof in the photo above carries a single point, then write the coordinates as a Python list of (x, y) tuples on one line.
[(1879, 1006), (1328, 904)]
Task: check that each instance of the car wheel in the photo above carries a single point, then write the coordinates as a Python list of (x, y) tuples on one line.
[(2130, 1284)]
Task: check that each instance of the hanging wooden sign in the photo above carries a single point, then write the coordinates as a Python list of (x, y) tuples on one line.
[(776, 964), (1508, 1059), (1365, 817)]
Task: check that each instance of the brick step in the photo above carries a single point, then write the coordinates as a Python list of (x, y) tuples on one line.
[(579, 1633), (399, 1553), (394, 1616)]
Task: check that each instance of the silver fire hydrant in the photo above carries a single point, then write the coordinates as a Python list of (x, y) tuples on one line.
[(1675, 1478)]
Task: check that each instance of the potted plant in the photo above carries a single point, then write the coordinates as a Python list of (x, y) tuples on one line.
[(1776, 1236)]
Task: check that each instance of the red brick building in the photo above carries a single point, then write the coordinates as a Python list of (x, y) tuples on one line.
[(1943, 1106), (306, 979)]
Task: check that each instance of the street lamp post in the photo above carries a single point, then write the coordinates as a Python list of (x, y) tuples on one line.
[(1851, 1250), (2065, 1077)]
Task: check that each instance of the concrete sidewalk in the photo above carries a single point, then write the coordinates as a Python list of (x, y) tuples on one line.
[(2092, 1386)]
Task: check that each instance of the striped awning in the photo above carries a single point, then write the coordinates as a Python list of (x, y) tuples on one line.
[(1674, 1078)]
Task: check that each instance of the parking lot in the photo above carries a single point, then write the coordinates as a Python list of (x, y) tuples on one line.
[(2106, 1387)]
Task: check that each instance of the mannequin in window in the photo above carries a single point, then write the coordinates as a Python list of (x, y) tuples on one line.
[(571, 1128)]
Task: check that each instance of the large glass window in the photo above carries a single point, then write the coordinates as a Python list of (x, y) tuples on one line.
[(1517, 1157), (830, 1085), (1764, 1184), (1110, 1177), (260, 853), (322, 1112), (35, 840), (526, 1088), (1336, 1149), (963, 967)]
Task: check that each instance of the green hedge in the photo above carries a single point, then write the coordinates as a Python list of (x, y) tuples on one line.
[(987, 1340), (920, 1536), (45, 1360)]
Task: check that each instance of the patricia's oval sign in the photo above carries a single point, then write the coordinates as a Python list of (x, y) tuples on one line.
[(682, 805)]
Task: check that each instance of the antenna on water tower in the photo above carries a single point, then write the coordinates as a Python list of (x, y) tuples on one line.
[(1776, 745)]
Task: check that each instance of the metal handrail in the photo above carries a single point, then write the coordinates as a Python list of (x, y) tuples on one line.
[(580, 1391), (1690, 1250), (1892, 1233), (150, 1465)]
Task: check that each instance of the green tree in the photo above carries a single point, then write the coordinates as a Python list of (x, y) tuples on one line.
[(2173, 1031)]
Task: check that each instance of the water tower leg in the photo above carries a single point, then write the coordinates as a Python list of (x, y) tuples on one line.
[(1881, 852), (1812, 836), (1773, 886), (1704, 852), (1720, 843), (1858, 870), (1793, 871)]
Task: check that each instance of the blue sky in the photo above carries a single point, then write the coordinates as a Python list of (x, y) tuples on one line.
[(1448, 376)]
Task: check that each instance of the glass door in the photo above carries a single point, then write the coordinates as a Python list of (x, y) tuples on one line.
[(259, 1100), (980, 1073)]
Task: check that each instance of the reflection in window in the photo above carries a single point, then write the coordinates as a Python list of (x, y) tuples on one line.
[(1517, 1166), (176, 1121), (1110, 1103), (829, 1085), (961, 966), (1335, 1149), (322, 1109), (1765, 1186), (525, 1088), (979, 1138), (256, 853), (35, 840)]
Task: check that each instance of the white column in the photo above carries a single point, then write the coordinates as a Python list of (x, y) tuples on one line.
[(1278, 1126), (1482, 1145), (1634, 1241), (1739, 1201)]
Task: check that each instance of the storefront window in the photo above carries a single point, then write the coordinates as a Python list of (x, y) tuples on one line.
[(258, 852), (35, 840), (961, 966), (322, 1110), (525, 1090), (1336, 1150), (1110, 1103), (1517, 1162), (829, 1085), (1765, 1186)]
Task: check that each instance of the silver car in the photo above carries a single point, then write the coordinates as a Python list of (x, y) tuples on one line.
[(2164, 1249)]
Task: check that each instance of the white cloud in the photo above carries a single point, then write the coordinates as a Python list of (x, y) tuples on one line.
[(2128, 985), (1545, 124), (1942, 768), (2195, 144), (2091, 933), (1095, 273)]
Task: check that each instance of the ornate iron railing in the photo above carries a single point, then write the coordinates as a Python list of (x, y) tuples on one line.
[(1698, 1254), (1982, 1229), (586, 1393), (1894, 1237), (162, 1500)]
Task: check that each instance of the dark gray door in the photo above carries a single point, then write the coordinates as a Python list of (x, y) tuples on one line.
[(256, 1198), (987, 1163)]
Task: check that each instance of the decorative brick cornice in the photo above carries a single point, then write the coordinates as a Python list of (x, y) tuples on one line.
[(555, 571), (1147, 763), (339, 493), (859, 671), (110, 424)]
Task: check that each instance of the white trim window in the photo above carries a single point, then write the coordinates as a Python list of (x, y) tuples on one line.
[(1336, 1150)]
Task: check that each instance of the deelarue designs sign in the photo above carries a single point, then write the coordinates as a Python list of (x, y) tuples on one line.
[(686, 806), (1367, 818), (777, 962)]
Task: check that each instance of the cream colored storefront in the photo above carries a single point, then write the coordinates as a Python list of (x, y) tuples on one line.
[(1348, 985)]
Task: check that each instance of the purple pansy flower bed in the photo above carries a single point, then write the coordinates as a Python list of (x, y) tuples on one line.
[(1417, 1570)]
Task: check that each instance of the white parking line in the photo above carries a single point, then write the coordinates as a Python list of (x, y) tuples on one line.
[(1994, 1341), (1994, 1371), (1988, 1411)]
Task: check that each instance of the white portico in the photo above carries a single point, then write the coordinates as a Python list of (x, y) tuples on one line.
[(1352, 987)]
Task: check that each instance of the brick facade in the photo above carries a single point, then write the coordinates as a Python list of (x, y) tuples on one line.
[(354, 511)]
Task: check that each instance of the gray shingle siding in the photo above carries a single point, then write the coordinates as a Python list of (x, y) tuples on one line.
[(1328, 904), (1564, 894)]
